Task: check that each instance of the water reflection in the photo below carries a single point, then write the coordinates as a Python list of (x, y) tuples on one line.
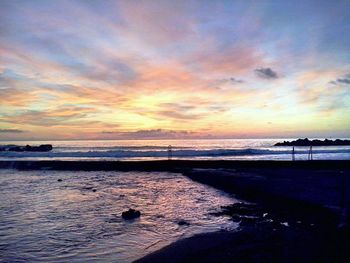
[(78, 219)]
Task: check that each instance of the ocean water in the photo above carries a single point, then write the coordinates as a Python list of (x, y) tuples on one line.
[(228, 149), (44, 220)]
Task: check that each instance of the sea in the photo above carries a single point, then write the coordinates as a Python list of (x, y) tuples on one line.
[(75, 216), (226, 149)]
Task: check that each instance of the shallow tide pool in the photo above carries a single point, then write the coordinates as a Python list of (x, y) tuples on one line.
[(78, 219)]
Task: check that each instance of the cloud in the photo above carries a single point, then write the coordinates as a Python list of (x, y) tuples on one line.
[(313, 92), (149, 134), (154, 23), (11, 131), (180, 111), (234, 80), (343, 80), (14, 89), (179, 115), (15, 97), (71, 116), (266, 73), (212, 59), (231, 80)]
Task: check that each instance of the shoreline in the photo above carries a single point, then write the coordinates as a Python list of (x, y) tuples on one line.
[(299, 226), (256, 243), (170, 165), (301, 214)]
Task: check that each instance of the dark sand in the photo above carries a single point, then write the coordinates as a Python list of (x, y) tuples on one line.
[(261, 243), (166, 165), (307, 205), (307, 217)]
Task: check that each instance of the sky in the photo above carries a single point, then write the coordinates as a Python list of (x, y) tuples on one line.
[(174, 69)]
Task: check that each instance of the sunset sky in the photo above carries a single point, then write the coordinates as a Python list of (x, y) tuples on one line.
[(174, 69)]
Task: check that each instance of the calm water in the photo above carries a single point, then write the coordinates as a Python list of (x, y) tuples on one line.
[(241, 149), (43, 220)]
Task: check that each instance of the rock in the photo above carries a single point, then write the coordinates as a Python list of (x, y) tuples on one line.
[(131, 214), (44, 148), (241, 209), (307, 142), (16, 149), (94, 190), (59, 180), (27, 148), (41, 148), (183, 223)]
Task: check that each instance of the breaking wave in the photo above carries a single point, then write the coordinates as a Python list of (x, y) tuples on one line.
[(162, 152)]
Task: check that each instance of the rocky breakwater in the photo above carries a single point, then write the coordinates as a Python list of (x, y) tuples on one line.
[(307, 142), (27, 148)]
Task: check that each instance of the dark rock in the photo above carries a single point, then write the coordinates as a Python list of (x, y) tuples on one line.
[(27, 148), (131, 214), (183, 223), (16, 149), (240, 209), (43, 148), (59, 180), (307, 142), (94, 190), (243, 213)]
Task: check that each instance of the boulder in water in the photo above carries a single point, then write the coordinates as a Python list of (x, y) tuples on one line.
[(131, 214), (183, 223)]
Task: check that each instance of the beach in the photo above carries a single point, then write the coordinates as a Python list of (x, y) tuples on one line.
[(301, 216), (291, 211), (174, 131)]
